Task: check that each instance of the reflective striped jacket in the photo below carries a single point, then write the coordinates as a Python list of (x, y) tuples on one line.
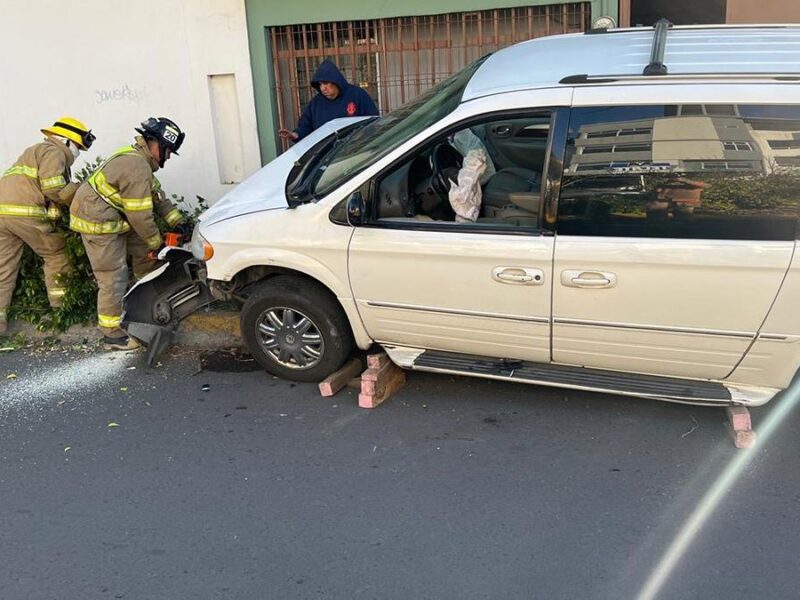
[(38, 182), (123, 194)]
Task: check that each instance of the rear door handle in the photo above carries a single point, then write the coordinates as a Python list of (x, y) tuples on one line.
[(518, 275), (588, 279)]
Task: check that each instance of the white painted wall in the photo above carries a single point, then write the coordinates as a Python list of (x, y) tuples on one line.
[(112, 63)]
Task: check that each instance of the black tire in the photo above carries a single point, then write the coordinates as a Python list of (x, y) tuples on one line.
[(266, 307)]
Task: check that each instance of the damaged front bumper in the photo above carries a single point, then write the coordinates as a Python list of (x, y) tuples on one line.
[(154, 307)]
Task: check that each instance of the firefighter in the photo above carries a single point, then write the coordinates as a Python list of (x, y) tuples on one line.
[(30, 194), (114, 211)]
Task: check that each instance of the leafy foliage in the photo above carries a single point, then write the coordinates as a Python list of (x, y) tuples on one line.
[(30, 303), (776, 192)]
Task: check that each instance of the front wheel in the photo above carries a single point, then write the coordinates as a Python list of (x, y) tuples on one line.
[(295, 329)]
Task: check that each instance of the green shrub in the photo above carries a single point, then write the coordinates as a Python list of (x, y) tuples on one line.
[(29, 302)]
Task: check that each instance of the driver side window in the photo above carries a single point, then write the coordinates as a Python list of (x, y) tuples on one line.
[(484, 175)]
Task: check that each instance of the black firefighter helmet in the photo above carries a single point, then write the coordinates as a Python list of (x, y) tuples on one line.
[(164, 131)]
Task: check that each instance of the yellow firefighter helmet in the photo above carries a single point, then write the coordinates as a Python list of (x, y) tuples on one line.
[(72, 129)]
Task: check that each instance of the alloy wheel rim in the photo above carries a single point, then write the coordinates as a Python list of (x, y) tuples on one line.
[(290, 338)]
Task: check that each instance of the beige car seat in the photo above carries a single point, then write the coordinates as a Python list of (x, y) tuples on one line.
[(512, 196)]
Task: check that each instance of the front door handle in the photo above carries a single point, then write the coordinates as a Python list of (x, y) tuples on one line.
[(518, 275), (588, 279)]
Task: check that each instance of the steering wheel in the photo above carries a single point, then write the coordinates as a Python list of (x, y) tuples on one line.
[(444, 159)]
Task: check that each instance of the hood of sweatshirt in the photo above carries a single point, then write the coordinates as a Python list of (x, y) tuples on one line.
[(327, 71)]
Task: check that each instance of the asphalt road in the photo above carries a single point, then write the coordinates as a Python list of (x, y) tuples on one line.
[(122, 481)]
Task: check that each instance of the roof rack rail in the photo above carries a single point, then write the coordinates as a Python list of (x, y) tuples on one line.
[(702, 27), (584, 79), (657, 66)]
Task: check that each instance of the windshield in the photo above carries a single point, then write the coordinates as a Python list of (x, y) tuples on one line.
[(381, 136)]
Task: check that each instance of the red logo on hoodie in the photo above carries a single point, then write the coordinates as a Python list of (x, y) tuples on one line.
[(351, 109)]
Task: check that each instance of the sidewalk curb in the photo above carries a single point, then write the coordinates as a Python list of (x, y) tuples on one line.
[(205, 329)]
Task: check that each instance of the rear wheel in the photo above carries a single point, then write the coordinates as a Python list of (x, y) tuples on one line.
[(296, 329)]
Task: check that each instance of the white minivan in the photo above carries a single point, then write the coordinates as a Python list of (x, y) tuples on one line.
[(635, 231)]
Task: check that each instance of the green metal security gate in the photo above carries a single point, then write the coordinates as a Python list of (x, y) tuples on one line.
[(395, 59)]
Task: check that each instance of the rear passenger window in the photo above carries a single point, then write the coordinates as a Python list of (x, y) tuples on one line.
[(682, 171)]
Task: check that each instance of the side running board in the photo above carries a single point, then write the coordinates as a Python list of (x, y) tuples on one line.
[(646, 386)]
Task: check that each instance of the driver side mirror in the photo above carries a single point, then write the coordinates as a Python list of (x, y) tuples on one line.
[(356, 209)]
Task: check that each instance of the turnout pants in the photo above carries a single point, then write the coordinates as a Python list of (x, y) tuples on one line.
[(42, 239), (108, 255)]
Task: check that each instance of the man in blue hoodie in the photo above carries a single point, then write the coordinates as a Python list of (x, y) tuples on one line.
[(336, 99)]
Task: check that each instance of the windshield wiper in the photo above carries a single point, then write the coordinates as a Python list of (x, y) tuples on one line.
[(297, 188)]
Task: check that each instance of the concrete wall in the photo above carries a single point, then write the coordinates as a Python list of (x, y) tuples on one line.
[(112, 64), (763, 11), (262, 14)]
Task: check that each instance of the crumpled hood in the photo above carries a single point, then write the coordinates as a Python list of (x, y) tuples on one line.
[(266, 188)]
